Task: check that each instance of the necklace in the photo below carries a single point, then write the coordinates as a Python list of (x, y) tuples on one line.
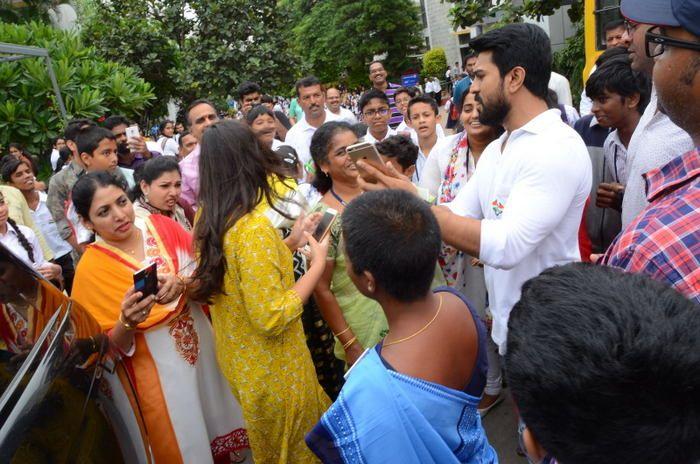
[(425, 327), (337, 197), (132, 251)]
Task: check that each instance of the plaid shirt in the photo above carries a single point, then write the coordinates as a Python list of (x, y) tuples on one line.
[(664, 240)]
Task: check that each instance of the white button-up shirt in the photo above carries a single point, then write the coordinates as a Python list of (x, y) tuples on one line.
[(370, 138), (655, 142), (11, 240), (299, 138), (345, 115), (530, 198)]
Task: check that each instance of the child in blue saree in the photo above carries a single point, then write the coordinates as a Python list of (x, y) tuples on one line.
[(412, 398)]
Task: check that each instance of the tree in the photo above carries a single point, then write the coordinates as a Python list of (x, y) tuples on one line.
[(337, 39), (466, 13), (138, 34), (434, 63), (233, 41), (89, 86)]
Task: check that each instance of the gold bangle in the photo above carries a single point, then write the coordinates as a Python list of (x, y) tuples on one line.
[(341, 333), (349, 343), (126, 325)]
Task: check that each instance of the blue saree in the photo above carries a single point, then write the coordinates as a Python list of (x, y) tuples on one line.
[(383, 416)]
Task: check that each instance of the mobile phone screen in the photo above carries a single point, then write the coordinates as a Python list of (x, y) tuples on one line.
[(146, 280), (325, 224)]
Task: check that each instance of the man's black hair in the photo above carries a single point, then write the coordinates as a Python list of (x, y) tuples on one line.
[(246, 88), (616, 76), (369, 95), (197, 102), (374, 62), (423, 99), (399, 147), (114, 121), (604, 366), (613, 25), (267, 99), (308, 81), (74, 127), (524, 45), (90, 137), (393, 235)]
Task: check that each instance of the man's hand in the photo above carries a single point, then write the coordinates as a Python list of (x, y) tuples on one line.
[(610, 196), (371, 178), (138, 145)]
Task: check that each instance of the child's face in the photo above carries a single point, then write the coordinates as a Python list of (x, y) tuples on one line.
[(423, 119), (104, 158), (612, 110), (376, 115)]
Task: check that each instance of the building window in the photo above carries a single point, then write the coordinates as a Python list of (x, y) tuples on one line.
[(605, 12)]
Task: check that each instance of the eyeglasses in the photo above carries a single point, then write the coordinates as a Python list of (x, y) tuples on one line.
[(373, 113), (656, 43)]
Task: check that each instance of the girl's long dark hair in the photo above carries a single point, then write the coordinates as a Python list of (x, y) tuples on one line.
[(233, 179)]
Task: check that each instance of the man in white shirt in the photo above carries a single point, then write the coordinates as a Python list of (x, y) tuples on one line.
[(333, 104), (560, 85), (520, 212), (312, 100), (656, 140), (58, 143)]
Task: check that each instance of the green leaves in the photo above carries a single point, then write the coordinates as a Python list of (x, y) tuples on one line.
[(466, 13), (89, 85), (340, 37), (434, 63)]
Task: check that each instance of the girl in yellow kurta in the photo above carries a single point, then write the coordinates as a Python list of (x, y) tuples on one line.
[(245, 270)]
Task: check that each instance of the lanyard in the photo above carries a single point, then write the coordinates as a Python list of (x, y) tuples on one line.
[(337, 197)]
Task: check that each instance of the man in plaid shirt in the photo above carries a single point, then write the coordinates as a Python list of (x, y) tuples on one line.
[(664, 240)]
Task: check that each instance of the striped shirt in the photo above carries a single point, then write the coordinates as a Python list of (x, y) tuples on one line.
[(663, 242), (396, 116)]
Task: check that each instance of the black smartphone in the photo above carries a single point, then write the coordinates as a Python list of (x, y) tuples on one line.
[(325, 225), (146, 280)]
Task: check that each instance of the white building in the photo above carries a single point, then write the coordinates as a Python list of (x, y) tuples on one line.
[(438, 31)]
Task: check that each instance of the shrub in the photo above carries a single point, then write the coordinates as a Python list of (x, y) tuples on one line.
[(434, 63)]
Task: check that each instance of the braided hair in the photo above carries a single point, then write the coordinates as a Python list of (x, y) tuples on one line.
[(22, 239)]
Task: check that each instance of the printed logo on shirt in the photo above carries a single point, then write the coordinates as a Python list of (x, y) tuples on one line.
[(497, 207)]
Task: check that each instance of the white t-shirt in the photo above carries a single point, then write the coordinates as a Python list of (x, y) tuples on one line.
[(530, 198), (55, 156), (299, 138), (11, 241), (168, 146), (421, 159), (560, 85), (345, 115)]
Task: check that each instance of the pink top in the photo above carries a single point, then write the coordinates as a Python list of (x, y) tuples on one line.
[(189, 168)]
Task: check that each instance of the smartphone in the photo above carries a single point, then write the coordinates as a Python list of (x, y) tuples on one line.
[(132, 132), (325, 225), (365, 151), (146, 280)]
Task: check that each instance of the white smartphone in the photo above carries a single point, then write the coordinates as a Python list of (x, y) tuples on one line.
[(132, 132)]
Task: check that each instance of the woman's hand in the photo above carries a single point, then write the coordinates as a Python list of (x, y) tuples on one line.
[(170, 287), (296, 238), (317, 252), (134, 309), (50, 271)]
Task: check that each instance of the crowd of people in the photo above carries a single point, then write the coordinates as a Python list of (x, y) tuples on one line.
[(447, 269)]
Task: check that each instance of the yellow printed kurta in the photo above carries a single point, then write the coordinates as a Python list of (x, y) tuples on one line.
[(261, 346)]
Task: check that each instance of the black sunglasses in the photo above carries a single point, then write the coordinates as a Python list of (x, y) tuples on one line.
[(656, 43)]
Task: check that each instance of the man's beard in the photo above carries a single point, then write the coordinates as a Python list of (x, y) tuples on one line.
[(495, 112)]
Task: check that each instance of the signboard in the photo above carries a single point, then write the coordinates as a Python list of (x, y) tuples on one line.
[(409, 80)]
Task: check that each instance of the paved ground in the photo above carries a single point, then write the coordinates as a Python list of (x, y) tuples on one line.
[(501, 426)]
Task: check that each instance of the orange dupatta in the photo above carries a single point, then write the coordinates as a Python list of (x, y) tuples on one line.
[(105, 273)]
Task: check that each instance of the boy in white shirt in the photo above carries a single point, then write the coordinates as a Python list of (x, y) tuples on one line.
[(423, 115), (376, 112)]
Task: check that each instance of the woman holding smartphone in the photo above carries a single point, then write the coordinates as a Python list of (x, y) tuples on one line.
[(164, 341), (356, 321), (245, 270)]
